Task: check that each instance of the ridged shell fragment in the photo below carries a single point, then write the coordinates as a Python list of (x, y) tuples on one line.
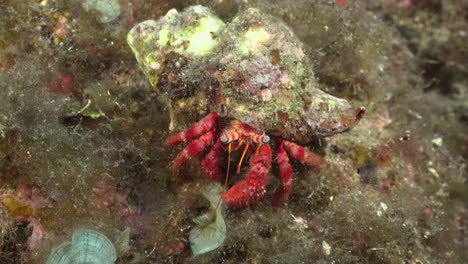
[(210, 230), (87, 247)]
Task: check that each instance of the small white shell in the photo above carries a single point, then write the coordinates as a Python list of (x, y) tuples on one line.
[(210, 231), (87, 247), (60, 254)]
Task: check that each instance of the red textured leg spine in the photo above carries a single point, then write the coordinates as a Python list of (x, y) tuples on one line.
[(192, 150), (211, 162), (201, 127), (252, 187), (285, 170), (305, 157)]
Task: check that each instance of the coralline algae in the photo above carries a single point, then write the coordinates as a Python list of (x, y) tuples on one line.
[(87, 247)]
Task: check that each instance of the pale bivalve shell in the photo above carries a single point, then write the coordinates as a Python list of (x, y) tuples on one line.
[(87, 247)]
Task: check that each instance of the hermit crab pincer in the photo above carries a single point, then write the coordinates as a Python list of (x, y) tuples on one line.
[(253, 84)]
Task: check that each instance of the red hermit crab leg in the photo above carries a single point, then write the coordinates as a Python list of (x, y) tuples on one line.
[(285, 170), (252, 187), (201, 127), (192, 150), (210, 163), (305, 157), (297, 152)]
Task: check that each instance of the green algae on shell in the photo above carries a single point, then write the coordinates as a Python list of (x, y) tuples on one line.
[(188, 34), (87, 247)]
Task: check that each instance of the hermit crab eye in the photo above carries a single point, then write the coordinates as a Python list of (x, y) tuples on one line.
[(223, 139), (266, 139)]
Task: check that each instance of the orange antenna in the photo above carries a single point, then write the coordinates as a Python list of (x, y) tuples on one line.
[(260, 139), (242, 157), (228, 165), (239, 145), (258, 149)]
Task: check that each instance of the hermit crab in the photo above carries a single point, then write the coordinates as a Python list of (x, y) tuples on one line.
[(253, 87)]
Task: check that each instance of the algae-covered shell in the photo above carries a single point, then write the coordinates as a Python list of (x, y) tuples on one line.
[(189, 34), (106, 10), (87, 247)]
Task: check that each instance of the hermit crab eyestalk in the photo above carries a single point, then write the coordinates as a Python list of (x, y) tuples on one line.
[(224, 139), (228, 137), (260, 139)]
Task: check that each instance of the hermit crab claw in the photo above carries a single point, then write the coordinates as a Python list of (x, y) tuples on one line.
[(252, 187)]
